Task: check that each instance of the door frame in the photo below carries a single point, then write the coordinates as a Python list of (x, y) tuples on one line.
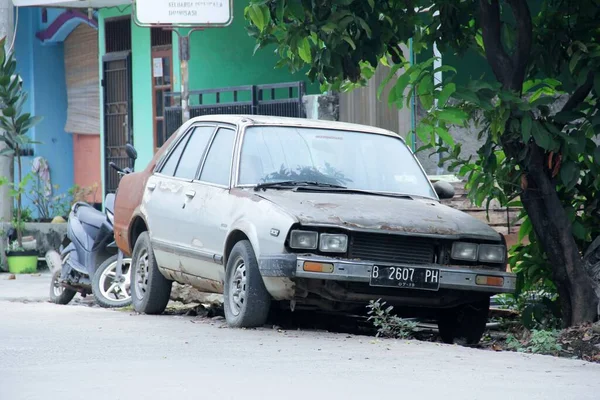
[(160, 52)]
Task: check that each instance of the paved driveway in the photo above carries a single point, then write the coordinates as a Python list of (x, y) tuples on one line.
[(75, 352)]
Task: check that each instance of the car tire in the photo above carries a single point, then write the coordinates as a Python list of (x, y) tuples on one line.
[(59, 294), (100, 283), (246, 300), (150, 290), (465, 324)]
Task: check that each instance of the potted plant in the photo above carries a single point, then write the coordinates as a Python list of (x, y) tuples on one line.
[(14, 125)]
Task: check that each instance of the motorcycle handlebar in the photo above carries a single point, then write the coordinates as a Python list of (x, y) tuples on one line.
[(114, 166), (120, 170)]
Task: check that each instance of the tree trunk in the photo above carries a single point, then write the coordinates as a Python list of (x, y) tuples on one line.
[(552, 226), (19, 200)]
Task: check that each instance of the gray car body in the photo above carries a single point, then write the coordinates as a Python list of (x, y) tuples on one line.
[(193, 225)]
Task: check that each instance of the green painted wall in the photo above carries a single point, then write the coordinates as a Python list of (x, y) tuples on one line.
[(143, 130), (219, 58), (224, 57)]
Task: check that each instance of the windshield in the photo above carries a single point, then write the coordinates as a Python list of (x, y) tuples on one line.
[(354, 160)]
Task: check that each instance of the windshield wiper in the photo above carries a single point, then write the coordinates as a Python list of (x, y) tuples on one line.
[(355, 191), (296, 184)]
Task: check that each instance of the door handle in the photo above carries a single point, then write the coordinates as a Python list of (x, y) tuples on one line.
[(190, 194), (151, 186)]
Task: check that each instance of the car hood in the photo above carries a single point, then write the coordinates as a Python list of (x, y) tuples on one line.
[(378, 213)]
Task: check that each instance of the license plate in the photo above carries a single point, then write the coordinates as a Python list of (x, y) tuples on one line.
[(406, 277)]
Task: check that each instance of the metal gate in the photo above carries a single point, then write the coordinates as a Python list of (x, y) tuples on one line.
[(117, 111), (280, 99)]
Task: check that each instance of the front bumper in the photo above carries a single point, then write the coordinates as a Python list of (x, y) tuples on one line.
[(451, 277)]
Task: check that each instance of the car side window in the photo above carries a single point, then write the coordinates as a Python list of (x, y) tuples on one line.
[(194, 151), (217, 167), (171, 165)]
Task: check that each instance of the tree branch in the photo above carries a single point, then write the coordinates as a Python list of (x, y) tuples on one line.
[(522, 16), (580, 93), (494, 52)]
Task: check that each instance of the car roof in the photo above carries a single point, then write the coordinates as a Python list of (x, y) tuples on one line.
[(286, 121)]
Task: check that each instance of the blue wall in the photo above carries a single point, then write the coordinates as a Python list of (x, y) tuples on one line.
[(43, 71)]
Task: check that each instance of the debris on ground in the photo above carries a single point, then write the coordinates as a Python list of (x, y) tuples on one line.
[(12, 277), (582, 342)]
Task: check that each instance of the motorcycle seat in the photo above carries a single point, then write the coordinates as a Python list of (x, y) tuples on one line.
[(90, 216)]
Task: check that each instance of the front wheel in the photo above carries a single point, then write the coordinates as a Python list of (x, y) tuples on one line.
[(150, 290), (58, 293), (465, 324), (108, 291), (246, 300)]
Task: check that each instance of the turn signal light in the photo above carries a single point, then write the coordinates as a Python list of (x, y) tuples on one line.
[(310, 266), (489, 280)]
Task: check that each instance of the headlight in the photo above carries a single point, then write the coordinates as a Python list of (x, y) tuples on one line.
[(333, 243), (304, 240), (492, 253), (464, 251)]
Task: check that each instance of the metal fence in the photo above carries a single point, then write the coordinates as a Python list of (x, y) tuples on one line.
[(280, 99)]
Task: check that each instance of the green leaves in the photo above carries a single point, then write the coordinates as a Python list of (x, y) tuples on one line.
[(304, 50), (425, 91), (569, 174), (280, 10), (526, 124), (542, 136), (445, 94), (259, 15), (453, 116)]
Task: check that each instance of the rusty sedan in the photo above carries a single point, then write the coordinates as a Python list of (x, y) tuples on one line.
[(297, 213)]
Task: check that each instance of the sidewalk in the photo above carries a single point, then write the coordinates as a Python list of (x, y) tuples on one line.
[(34, 287)]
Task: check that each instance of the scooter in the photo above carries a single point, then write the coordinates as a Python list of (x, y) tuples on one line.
[(89, 261)]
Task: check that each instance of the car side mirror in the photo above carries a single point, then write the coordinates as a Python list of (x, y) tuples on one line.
[(131, 151), (444, 190)]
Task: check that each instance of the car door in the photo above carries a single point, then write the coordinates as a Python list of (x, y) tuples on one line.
[(212, 205), (169, 191)]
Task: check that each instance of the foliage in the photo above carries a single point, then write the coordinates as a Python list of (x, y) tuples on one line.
[(387, 323), (17, 190), (15, 247), (537, 309), (537, 342), (49, 207), (81, 194), (14, 125), (537, 116), (26, 215)]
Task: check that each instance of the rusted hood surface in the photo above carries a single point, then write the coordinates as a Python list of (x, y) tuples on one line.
[(370, 212)]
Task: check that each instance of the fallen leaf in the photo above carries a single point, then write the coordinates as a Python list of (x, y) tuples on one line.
[(12, 277), (496, 347)]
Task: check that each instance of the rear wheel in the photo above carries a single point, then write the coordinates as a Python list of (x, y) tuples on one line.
[(58, 293), (465, 324), (108, 291), (246, 300), (150, 290)]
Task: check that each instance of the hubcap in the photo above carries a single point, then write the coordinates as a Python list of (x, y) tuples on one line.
[(237, 288), (57, 288), (113, 289), (142, 270)]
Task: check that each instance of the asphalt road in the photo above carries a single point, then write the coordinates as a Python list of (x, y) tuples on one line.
[(75, 352)]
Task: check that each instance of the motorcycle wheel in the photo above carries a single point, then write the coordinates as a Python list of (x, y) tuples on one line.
[(108, 293), (58, 293)]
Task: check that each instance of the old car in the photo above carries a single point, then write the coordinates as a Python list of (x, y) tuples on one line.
[(297, 213)]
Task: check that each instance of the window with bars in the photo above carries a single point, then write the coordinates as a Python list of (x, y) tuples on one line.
[(117, 34)]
